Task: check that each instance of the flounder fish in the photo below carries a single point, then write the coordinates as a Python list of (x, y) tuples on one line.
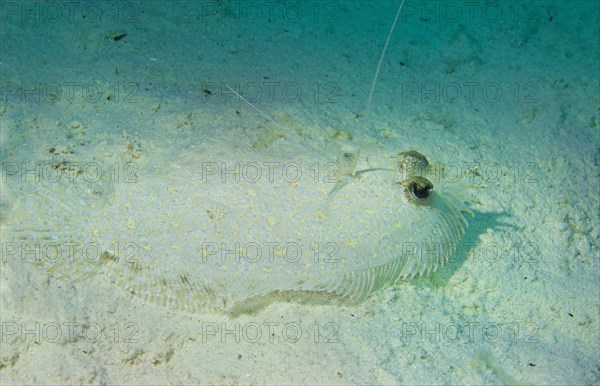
[(226, 224)]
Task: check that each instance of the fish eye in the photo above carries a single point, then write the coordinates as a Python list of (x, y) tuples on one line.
[(418, 188)]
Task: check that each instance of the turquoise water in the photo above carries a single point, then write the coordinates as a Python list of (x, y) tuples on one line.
[(502, 99)]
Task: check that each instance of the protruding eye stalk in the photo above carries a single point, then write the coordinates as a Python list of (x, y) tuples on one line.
[(418, 188), (411, 163)]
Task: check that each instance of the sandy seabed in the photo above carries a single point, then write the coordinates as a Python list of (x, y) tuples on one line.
[(503, 98)]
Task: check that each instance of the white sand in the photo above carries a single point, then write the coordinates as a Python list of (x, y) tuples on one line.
[(519, 305)]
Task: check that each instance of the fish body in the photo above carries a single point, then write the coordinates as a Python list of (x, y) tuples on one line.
[(225, 224)]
